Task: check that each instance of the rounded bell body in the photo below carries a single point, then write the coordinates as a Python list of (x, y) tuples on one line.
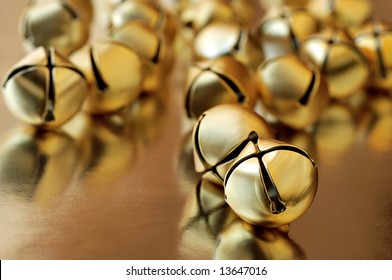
[(53, 24), (219, 81), (374, 41), (343, 66), (228, 38), (292, 90), (282, 31), (44, 89), (115, 73), (271, 183), (220, 135)]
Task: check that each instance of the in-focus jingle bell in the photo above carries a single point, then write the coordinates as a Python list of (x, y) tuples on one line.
[(44, 89), (271, 183)]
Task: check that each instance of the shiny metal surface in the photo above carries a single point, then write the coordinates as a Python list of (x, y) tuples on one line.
[(223, 80), (344, 67), (44, 89), (54, 24), (114, 72), (136, 210)]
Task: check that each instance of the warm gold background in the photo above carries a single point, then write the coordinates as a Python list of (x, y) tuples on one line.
[(137, 211)]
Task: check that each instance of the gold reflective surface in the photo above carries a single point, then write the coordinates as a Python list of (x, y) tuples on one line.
[(69, 195)]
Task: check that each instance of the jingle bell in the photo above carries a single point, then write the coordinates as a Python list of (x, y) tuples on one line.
[(343, 66), (83, 7), (152, 46), (374, 41), (292, 90), (220, 39), (282, 31), (200, 14), (115, 73), (268, 4), (53, 24), (220, 135), (148, 12), (349, 14), (219, 81), (271, 183), (241, 241), (44, 89)]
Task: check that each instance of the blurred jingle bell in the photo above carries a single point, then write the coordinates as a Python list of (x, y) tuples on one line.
[(292, 90), (222, 80), (199, 14), (115, 73), (271, 183), (241, 241), (375, 41), (349, 14), (283, 30), (220, 135), (343, 66), (44, 89), (268, 4), (146, 11), (227, 38), (152, 46), (84, 8), (53, 24)]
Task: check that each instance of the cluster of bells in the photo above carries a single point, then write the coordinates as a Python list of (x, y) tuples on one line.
[(62, 75), (297, 59)]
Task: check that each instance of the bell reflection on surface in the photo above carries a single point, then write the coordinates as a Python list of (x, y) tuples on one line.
[(106, 145), (35, 165), (377, 122), (241, 241), (147, 116), (336, 131), (206, 214)]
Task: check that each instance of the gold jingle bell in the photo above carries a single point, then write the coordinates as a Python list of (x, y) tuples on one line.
[(53, 24), (44, 89), (288, 3), (241, 241), (220, 135), (83, 7), (152, 46), (282, 31), (148, 12), (227, 38), (115, 73), (292, 90), (219, 81), (349, 14), (343, 66), (375, 40), (201, 13), (37, 165), (271, 183)]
